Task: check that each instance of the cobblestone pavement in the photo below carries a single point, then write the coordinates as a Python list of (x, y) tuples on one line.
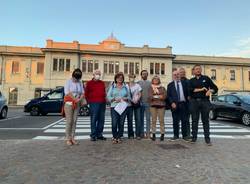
[(133, 161)]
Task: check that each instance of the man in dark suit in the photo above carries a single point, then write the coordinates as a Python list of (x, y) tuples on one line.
[(185, 79), (177, 93)]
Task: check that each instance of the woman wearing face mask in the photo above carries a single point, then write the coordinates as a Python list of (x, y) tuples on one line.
[(134, 108), (74, 95), (96, 97)]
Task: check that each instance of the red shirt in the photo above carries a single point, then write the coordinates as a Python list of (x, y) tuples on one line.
[(95, 91)]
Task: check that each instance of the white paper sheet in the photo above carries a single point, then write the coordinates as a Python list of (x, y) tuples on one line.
[(121, 107)]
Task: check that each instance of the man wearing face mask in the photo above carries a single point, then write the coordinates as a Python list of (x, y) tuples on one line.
[(96, 97)]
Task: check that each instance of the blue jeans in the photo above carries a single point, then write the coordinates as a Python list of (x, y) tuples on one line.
[(117, 123), (97, 114), (145, 108), (137, 115)]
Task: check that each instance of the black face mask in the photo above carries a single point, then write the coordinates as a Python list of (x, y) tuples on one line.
[(77, 76)]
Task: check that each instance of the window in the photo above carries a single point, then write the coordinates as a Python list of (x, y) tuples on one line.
[(96, 65), (37, 92), (232, 75), (55, 95), (111, 67), (55, 64), (13, 95), (39, 68), (157, 68), (67, 65), (15, 67), (116, 67), (126, 68), (220, 99), (137, 68), (131, 68), (105, 67), (232, 99), (213, 74), (90, 66), (163, 69), (84, 66), (151, 68), (61, 65)]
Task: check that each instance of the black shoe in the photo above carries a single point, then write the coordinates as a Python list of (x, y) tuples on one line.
[(93, 139), (153, 137), (208, 142), (174, 139), (193, 140), (162, 137), (131, 137), (187, 139), (102, 138)]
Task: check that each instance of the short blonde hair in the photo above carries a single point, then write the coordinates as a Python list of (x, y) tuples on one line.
[(156, 77)]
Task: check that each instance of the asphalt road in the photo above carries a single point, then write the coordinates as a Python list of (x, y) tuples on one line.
[(20, 125)]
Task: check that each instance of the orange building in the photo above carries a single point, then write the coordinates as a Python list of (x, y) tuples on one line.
[(28, 72)]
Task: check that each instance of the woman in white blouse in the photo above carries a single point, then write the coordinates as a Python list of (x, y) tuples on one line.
[(74, 94)]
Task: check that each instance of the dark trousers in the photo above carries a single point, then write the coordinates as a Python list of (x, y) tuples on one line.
[(197, 107), (117, 123), (97, 114), (180, 114), (136, 112)]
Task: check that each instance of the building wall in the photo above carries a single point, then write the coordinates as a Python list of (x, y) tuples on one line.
[(27, 80)]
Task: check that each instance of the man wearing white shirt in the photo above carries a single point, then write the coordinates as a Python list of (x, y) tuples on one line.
[(177, 93)]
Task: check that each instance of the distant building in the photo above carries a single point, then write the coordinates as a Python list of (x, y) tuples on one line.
[(28, 72)]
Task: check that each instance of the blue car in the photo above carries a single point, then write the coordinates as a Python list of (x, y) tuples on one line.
[(50, 103), (3, 107)]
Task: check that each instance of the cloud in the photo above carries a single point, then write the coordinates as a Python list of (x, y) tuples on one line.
[(242, 49)]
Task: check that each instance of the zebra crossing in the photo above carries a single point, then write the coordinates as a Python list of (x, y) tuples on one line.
[(56, 131)]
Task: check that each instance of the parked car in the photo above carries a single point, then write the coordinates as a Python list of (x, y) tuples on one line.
[(3, 107), (232, 106), (50, 103)]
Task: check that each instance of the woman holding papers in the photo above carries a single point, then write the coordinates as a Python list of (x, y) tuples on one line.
[(134, 107), (118, 95), (157, 96)]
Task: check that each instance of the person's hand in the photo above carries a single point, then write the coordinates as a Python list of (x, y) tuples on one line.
[(173, 105), (77, 100), (161, 96), (208, 93), (118, 100), (204, 89)]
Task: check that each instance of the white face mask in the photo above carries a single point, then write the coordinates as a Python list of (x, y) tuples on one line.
[(131, 80), (97, 77)]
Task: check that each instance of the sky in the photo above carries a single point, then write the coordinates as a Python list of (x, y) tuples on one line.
[(197, 27)]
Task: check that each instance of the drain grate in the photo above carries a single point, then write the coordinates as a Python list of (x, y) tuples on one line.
[(172, 146)]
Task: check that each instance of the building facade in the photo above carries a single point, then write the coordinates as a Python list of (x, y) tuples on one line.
[(28, 72)]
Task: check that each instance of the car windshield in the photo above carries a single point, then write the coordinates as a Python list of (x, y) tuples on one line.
[(245, 98)]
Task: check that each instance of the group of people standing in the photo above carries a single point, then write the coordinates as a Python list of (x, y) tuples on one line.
[(137, 100)]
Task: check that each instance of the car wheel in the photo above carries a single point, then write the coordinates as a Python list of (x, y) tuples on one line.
[(44, 113), (246, 118), (4, 113), (212, 115), (84, 111), (34, 111)]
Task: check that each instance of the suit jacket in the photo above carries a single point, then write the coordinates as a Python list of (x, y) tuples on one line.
[(172, 92)]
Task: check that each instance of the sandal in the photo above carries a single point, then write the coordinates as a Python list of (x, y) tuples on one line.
[(114, 141), (69, 143), (75, 142)]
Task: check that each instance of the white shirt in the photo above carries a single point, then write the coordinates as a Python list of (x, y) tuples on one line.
[(182, 97), (135, 89)]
